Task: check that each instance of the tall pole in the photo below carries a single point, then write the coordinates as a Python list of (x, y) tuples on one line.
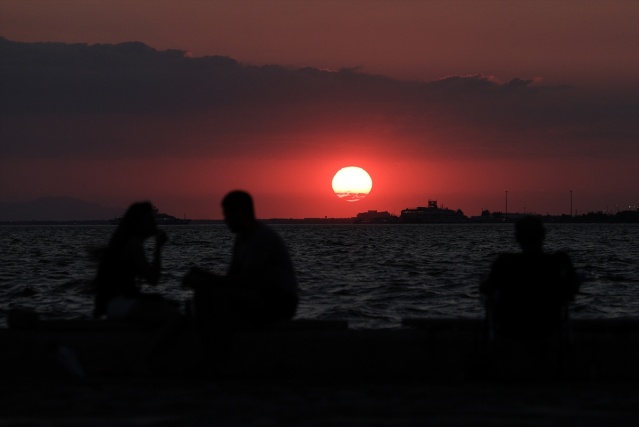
[(506, 202), (570, 202)]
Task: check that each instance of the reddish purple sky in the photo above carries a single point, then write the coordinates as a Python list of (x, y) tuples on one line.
[(457, 101)]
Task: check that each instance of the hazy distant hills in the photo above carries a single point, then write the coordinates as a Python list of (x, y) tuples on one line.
[(56, 209)]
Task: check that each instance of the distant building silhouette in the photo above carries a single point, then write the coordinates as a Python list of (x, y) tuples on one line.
[(432, 214), (373, 216)]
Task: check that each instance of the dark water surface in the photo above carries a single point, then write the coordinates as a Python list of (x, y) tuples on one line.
[(371, 275)]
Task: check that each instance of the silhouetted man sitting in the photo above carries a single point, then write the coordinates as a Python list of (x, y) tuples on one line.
[(260, 286), (527, 292)]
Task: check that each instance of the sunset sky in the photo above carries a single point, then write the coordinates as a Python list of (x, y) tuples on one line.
[(457, 101)]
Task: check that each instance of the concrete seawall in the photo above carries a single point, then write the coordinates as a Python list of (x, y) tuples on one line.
[(421, 350)]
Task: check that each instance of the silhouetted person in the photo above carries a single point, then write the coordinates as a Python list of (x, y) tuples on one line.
[(260, 286), (123, 264), (527, 292)]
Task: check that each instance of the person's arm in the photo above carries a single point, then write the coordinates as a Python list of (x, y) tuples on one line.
[(150, 270), (569, 278), (198, 277), (489, 288)]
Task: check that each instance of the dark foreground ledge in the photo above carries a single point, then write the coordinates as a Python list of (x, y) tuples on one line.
[(423, 349)]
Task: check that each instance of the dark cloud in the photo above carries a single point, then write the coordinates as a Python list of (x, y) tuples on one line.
[(130, 97)]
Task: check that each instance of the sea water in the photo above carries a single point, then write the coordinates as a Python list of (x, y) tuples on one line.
[(370, 275)]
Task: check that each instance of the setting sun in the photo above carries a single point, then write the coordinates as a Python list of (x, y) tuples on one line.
[(352, 183)]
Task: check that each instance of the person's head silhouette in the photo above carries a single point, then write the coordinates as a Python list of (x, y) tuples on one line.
[(138, 220), (530, 234), (239, 213)]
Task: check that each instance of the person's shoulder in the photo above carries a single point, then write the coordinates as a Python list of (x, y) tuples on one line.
[(269, 236), (262, 228), (506, 262), (265, 231), (265, 228)]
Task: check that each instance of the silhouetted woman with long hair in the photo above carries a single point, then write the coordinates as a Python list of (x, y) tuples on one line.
[(124, 264)]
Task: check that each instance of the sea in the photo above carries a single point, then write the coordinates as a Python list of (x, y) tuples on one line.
[(371, 275)]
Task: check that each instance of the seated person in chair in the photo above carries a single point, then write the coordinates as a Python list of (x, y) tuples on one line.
[(526, 293)]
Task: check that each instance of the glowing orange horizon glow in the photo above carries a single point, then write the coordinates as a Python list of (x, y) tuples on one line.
[(352, 183)]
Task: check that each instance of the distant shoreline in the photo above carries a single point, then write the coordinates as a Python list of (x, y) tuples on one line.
[(592, 218)]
